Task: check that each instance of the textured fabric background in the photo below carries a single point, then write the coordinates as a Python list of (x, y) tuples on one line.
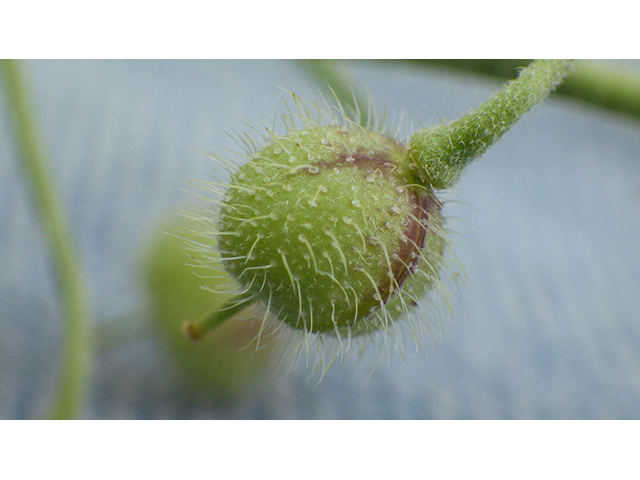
[(547, 324)]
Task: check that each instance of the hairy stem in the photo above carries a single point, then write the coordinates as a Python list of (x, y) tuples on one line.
[(441, 153), (48, 207)]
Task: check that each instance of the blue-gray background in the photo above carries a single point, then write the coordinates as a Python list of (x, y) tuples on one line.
[(547, 324)]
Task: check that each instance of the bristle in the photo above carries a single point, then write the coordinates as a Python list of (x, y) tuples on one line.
[(269, 169)]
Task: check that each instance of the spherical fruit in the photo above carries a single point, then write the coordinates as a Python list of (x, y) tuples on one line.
[(328, 227)]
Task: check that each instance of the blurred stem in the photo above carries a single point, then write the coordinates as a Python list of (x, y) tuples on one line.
[(613, 87), (49, 209), (328, 73), (442, 152), (608, 85)]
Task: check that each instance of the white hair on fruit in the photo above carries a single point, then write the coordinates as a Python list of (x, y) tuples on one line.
[(326, 227)]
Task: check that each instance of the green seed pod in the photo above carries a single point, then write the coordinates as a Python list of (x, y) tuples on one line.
[(227, 359), (336, 229), (328, 227)]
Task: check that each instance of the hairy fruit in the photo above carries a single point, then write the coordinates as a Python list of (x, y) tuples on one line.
[(328, 227)]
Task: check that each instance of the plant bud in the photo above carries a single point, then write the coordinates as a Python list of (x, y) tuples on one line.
[(328, 227)]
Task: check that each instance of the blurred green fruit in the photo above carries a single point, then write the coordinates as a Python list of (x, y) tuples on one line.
[(181, 289)]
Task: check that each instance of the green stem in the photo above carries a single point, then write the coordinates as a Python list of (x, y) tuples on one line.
[(49, 208), (613, 87), (441, 153), (327, 72), (196, 329), (609, 85)]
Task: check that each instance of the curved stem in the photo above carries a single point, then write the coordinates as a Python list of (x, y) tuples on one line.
[(441, 153), (49, 208)]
